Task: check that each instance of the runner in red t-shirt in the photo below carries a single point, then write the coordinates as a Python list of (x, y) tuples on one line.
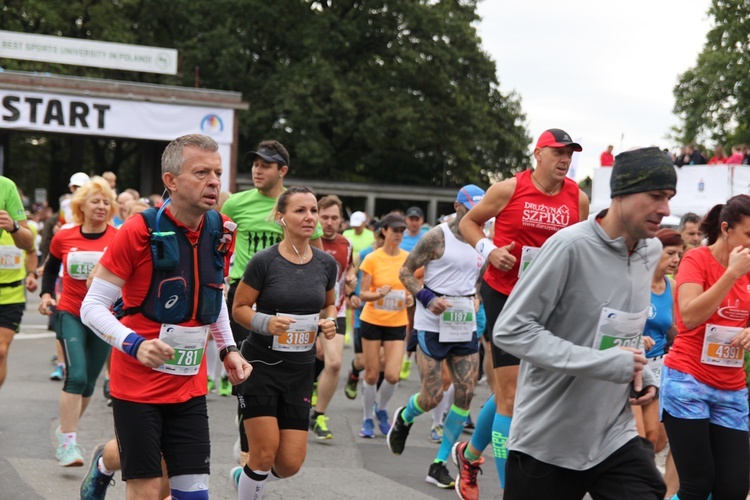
[(78, 249), (158, 377), (330, 211), (703, 393), (528, 208)]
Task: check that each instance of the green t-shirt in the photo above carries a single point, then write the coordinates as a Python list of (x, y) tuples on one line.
[(360, 241), (10, 201), (250, 210), (12, 268)]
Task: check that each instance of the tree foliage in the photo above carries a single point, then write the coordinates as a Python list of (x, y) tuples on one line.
[(712, 99), (395, 91)]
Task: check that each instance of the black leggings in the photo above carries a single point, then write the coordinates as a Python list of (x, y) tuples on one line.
[(710, 459)]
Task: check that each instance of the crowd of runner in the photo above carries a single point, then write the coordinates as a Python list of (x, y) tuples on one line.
[(605, 338)]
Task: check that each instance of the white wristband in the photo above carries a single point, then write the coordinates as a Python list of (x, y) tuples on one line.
[(484, 247)]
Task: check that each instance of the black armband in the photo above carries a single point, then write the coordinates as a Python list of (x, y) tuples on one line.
[(226, 350)]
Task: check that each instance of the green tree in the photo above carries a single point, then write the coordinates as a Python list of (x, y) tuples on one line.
[(712, 99), (395, 91)]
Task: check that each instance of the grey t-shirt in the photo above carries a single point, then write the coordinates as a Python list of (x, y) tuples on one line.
[(286, 287)]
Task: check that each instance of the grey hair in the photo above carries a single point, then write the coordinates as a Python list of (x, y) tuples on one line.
[(172, 158)]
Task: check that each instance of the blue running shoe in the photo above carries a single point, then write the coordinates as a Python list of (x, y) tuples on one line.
[(368, 429), (58, 373), (69, 455), (94, 485), (383, 424)]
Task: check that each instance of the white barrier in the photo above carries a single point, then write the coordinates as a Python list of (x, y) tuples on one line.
[(698, 187)]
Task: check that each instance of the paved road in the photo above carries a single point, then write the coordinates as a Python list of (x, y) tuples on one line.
[(346, 467)]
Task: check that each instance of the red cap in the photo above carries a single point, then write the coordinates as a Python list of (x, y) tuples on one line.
[(556, 138)]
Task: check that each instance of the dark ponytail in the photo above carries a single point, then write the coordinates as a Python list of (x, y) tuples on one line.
[(732, 213)]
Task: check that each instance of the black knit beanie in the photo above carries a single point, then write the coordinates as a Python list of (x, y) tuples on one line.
[(641, 170)]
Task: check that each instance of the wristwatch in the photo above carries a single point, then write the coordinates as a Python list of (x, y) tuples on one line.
[(226, 350), (16, 227)]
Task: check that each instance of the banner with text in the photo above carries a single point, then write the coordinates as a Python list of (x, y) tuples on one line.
[(698, 187), (57, 113), (56, 49)]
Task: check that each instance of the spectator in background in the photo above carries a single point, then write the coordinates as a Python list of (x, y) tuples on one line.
[(680, 157), (111, 179), (689, 229), (124, 200), (414, 230), (670, 155), (156, 199), (358, 233), (693, 156), (607, 159), (76, 180), (737, 156), (719, 157), (133, 192)]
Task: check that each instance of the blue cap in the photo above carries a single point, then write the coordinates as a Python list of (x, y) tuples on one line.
[(470, 195)]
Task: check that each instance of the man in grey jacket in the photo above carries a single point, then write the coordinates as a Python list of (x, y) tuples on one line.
[(575, 319)]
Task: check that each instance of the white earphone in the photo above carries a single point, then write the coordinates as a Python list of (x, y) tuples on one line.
[(282, 221)]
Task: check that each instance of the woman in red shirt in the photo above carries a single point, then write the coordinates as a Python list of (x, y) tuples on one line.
[(77, 249), (704, 403)]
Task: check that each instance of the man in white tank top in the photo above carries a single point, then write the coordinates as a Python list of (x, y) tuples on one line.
[(445, 323)]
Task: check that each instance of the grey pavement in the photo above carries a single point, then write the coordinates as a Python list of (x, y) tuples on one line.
[(345, 467)]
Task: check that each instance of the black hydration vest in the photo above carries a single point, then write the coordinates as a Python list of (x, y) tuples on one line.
[(187, 280)]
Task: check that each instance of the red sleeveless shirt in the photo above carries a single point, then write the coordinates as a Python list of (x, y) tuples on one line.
[(529, 218)]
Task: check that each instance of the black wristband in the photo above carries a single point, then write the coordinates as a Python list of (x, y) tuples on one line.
[(350, 295), (226, 350)]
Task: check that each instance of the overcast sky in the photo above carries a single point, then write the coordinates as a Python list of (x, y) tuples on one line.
[(602, 71)]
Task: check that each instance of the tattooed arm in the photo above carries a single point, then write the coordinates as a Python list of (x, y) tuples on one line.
[(431, 246)]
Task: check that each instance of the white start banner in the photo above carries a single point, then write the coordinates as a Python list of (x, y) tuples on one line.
[(58, 113), (94, 53)]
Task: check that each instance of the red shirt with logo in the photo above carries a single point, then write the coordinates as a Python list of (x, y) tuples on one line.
[(699, 266), (129, 258), (79, 255), (341, 250), (529, 219)]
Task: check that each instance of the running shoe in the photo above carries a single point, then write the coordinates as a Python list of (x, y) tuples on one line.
[(235, 475), (211, 384), (383, 424), (105, 389), (436, 434), (314, 399), (466, 481), (347, 339), (58, 373), (94, 485), (319, 427), (405, 369), (225, 387), (396, 437), (69, 455), (368, 429), (350, 389), (439, 476)]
